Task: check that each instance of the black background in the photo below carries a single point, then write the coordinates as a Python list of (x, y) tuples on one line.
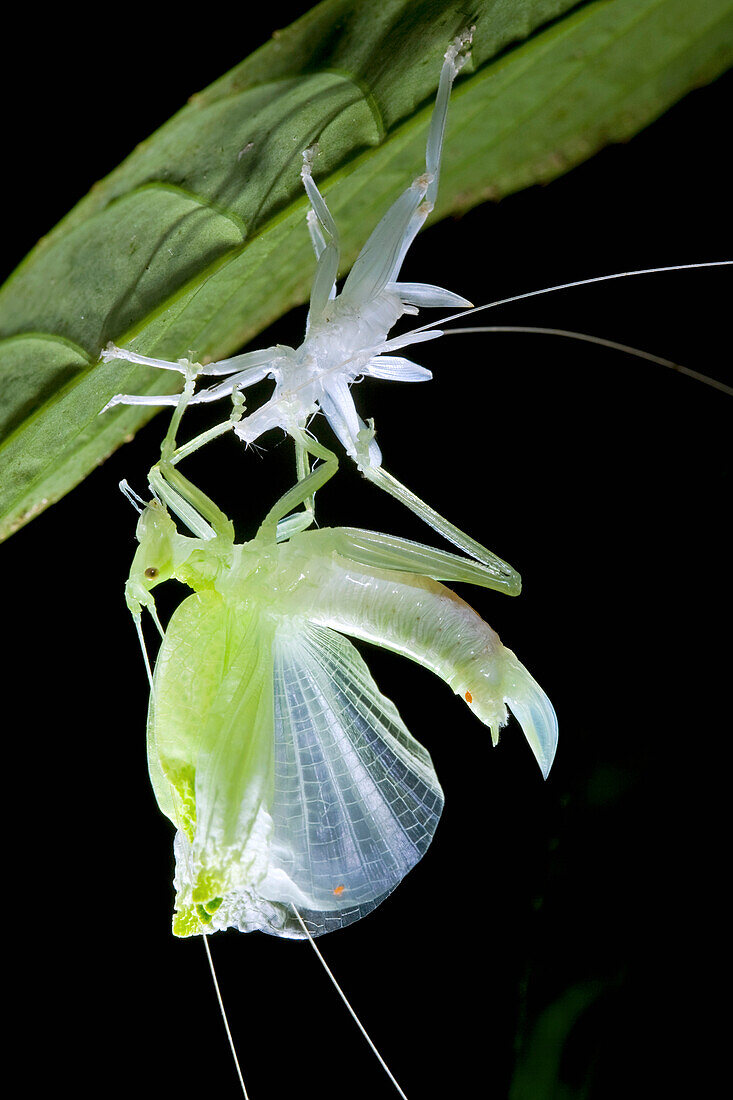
[(567, 933)]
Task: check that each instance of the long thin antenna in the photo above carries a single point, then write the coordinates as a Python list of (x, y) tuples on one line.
[(183, 400), (344, 998), (604, 343), (204, 935), (205, 938), (565, 286)]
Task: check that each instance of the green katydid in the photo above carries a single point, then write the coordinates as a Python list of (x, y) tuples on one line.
[(299, 797), (296, 789)]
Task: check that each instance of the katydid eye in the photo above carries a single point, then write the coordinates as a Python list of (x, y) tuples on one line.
[(151, 572)]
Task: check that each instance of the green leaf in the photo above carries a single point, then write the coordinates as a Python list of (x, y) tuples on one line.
[(538, 1071), (198, 240)]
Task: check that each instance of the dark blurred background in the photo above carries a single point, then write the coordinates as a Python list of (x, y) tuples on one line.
[(559, 940)]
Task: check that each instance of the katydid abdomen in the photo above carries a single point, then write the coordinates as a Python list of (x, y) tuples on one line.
[(422, 619)]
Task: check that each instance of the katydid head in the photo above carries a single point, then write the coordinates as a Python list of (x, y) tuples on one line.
[(155, 558)]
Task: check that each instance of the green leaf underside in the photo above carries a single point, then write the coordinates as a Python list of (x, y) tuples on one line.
[(198, 240)]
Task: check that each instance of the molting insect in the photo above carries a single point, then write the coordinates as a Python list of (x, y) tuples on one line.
[(299, 797), (267, 620), (297, 791), (346, 338)]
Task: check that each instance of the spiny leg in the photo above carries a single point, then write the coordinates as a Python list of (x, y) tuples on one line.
[(201, 440), (299, 521), (380, 551), (325, 238), (381, 258), (502, 575), (303, 491), (197, 510), (455, 58), (189, 503), (185, 367), (243, 371)]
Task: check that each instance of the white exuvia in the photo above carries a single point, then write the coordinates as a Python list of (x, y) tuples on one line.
[(347, 337)]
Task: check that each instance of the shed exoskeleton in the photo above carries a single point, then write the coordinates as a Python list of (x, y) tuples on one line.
[(347, 337)]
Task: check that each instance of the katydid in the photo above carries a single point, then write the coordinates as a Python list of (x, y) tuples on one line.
[(292, 781)]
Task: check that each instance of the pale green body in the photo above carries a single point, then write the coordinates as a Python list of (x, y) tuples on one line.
[(291, 780), (294, 786)]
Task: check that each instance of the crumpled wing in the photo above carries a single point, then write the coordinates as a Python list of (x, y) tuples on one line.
[(210, 749)]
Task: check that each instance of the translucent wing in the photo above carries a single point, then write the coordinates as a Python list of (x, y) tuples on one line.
[(356, 798), (290, 778)]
